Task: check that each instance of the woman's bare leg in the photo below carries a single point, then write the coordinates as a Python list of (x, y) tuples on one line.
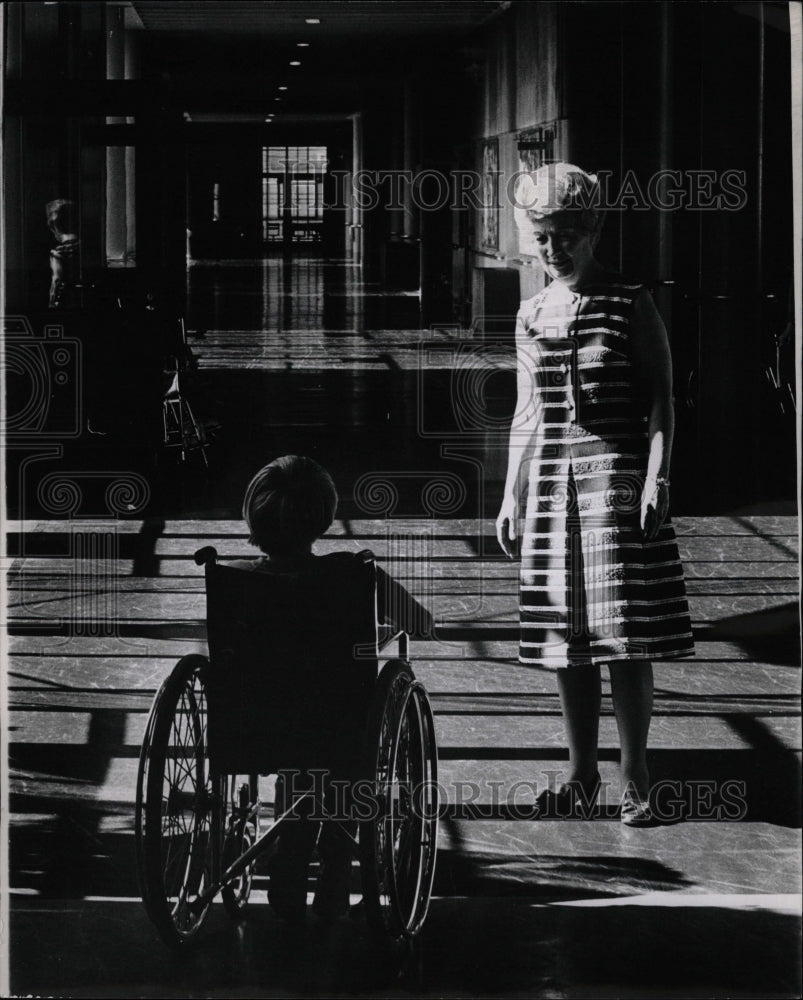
[(632, 690), (580, 699)]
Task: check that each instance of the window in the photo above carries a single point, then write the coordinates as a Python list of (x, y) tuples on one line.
[(292, 193)]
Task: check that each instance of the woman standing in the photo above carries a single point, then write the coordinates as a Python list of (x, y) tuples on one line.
[(601, 580)]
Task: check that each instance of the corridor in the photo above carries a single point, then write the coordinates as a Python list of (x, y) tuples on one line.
[(236, 231)]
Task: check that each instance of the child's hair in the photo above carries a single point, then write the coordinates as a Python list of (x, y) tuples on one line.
[(288, 504), (60, 215)]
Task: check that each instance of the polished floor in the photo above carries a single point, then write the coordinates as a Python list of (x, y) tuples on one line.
[(103, 597)]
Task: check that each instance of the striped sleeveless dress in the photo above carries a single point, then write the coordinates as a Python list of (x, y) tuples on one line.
[(591, 590)]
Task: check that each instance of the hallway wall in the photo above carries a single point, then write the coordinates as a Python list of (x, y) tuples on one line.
[(634, 92), (54, 58)]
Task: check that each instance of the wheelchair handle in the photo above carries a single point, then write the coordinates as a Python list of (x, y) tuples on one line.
[(206, 555)]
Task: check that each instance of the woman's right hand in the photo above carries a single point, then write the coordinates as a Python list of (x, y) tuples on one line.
[(506, 526)]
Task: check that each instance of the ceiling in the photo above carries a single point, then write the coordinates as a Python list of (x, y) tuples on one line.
[(283, 20), (240, 61)]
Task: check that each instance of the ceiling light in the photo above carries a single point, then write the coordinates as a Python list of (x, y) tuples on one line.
[(277, 98), (282, 88), (302, 45), (312, 20), (295, 62)]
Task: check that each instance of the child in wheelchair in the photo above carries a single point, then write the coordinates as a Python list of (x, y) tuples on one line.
[(288, 506)]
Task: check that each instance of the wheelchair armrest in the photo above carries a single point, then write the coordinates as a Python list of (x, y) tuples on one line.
[(387, 636), (206, 555)]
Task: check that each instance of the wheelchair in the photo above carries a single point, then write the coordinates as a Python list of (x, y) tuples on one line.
[(291, 683)]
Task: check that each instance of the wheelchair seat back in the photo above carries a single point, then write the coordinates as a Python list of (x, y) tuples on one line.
[(293, 663)]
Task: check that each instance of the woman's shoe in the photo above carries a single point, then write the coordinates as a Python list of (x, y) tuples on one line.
[(573, 800), (635, 811)]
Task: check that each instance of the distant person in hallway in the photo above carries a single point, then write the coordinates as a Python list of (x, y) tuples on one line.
[(600, 579), (65, 256), (288, 506)]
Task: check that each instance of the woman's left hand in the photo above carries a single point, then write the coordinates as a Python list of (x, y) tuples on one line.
[(654, 508)]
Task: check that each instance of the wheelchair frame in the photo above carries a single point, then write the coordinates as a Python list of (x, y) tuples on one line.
[(198, 829)]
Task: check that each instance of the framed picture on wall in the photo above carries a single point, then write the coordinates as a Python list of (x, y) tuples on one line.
[(536, 146), (490, 194)]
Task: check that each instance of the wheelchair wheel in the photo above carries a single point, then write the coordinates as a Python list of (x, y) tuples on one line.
[(241, 826), (174, 829), (398, 845)]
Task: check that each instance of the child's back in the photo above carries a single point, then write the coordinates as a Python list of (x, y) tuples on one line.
[(327, 606)]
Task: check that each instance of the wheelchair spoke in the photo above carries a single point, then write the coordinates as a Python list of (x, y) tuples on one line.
[(392, 845), (412, 824), (175, 864), (175, 844), (242, 831)]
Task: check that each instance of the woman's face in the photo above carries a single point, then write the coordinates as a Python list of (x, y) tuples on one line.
[(564, 251)]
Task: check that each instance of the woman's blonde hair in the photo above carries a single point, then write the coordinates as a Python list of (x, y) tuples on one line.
[(560, 187)]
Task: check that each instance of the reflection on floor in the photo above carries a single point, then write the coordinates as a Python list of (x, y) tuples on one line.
[(104, 597), (285, 294)]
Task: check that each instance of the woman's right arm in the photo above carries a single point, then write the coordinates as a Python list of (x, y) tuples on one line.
[(522, 433)]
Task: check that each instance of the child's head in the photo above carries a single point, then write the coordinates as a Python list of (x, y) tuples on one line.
[(288, 504), (60, 216)]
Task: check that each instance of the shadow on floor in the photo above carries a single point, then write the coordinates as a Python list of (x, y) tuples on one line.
[(471, 947), (768, 636)]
